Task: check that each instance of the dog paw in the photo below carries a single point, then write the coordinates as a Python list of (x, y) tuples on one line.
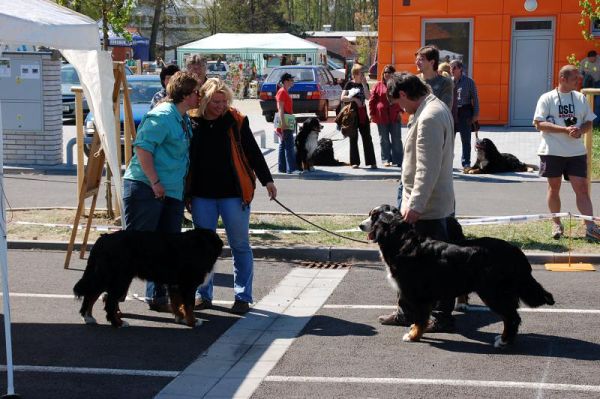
[(124, 324), (406, 337), (499, 343), (89, 320)]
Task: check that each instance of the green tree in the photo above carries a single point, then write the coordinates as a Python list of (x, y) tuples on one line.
[(248, 16), (114, 14), (590, 10)]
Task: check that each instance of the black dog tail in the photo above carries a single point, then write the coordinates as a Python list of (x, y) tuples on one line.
[(533, 294)]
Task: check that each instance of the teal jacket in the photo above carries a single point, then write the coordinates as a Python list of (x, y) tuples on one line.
[(166, 134)]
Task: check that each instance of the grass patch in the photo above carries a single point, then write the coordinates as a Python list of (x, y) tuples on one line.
[(596, 155), (530, 236)]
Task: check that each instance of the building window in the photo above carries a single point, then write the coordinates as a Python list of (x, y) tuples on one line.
[(595, 27), (181, 20), (452, 37)]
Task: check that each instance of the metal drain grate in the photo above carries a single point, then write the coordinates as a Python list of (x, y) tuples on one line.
[(325, 265)]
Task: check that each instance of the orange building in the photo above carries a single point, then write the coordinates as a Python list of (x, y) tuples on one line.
[(512, 54)]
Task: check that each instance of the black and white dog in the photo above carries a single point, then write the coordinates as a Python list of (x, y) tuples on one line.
[(311, 151), (425, 271), (490, 160), (307, 140)]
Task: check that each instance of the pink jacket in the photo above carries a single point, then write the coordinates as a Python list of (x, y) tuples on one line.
[(380, 109)]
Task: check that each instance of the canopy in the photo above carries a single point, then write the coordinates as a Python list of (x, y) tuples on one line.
[(42, 22), (252, 46)]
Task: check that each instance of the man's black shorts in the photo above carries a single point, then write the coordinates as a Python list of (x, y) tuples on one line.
[(555, 166)]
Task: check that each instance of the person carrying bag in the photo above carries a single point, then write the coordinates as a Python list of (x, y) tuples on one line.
[(285, 125)]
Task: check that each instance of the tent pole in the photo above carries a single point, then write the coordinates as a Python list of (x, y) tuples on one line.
[(10, 388)]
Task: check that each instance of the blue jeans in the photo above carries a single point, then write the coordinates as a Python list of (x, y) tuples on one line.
[(390, 135), (141, 211), (463, 126), (287, 152), (236, 218)]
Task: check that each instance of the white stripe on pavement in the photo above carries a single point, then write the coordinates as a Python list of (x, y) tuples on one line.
[(236, 364), (437, 382), (95, 371), (473, 309)]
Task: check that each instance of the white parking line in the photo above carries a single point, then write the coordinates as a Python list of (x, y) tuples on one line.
[(437, 382), (95, 371), (236, 364), (473, 309)]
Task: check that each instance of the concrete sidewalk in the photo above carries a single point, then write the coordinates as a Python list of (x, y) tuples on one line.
[(522, 143)]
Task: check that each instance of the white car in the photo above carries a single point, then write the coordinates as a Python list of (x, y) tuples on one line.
[(216, 69)]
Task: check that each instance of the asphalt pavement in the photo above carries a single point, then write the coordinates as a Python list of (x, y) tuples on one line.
[(313, 331)]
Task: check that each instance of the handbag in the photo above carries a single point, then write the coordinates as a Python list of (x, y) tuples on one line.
[(289, 122)]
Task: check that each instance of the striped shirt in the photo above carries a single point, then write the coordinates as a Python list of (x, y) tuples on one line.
[(466, 93), (158, 97)]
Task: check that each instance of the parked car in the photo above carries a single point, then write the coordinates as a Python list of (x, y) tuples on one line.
[(315, 91), (141, 90), (216, 69), (68, 79)]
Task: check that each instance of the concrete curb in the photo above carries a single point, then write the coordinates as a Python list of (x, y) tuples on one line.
[(322, 254)]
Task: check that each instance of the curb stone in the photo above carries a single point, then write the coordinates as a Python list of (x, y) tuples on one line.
[(321, 254)]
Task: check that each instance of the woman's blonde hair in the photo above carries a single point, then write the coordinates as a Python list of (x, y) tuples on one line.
[(356, 69), (444, 69), (207, 91)]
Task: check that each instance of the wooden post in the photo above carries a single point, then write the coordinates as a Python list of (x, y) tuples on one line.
[(80, 137), (590, 95)]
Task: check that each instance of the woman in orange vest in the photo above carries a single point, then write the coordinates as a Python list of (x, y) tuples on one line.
[(224, 163)]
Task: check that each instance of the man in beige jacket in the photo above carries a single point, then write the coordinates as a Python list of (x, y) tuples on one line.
[(428, 193)]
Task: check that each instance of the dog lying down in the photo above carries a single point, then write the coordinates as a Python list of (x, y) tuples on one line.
[(490, 160), (427, 270), (180, 260), (310, 150)]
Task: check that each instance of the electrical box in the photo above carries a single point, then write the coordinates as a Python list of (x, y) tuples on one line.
[(31, 106)]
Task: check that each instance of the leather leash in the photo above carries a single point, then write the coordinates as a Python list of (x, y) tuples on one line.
[(317, 226)]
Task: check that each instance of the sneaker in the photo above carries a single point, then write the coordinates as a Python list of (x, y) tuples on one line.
[(201, 304), (387, 164), (240, 307), (592, 232), (295, 172), (558, 230), (354, 166), (394, 319), (436, 325)]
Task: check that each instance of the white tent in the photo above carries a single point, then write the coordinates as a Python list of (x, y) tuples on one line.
[(42, 22), (252, 46)]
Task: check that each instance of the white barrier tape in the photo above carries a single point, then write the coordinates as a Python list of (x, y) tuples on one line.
[(463, 222), (511, 219), (584, 217)]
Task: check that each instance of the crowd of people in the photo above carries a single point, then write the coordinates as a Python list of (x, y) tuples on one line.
[(194, 150)]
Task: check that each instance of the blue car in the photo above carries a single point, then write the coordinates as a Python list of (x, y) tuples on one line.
[(141, 90), (314, 91), (68, 79)]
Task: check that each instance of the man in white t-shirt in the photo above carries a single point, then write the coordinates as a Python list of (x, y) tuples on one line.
[(563, 116)]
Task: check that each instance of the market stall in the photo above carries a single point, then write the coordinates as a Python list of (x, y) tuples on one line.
[(255, 52)]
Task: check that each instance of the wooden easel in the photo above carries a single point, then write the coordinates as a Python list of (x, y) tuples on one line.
[(89, 188), (89, 183)]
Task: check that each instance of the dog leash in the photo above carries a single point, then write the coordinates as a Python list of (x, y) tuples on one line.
[(316, 225)]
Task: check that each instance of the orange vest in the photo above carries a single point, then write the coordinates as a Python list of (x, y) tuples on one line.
[(245, 174)]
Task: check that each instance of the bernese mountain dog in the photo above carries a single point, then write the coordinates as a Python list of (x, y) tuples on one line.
[(312, 151), (180, 260), (490, 160), (426, 270)]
